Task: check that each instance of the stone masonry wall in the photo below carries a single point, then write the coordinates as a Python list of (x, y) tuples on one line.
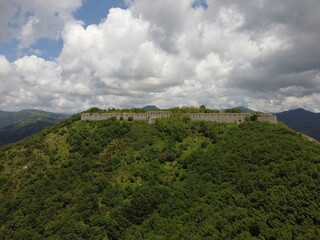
[(220, 117), (268, 117), (125, 116), (150, 116)]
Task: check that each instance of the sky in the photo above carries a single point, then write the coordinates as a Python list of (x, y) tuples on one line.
[(68, 56)]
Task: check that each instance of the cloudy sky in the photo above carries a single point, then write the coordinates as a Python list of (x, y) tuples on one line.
[(68, 56)]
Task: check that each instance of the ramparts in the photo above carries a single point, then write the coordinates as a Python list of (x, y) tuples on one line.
[(232, 117), (213, 117)]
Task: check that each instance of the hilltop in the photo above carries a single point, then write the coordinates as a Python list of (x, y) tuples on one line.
[(151, 107), (245, 109), (175, 179)]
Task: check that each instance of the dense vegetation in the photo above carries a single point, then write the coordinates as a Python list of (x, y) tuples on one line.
[(175, 179), (15, 126), (18, 131)]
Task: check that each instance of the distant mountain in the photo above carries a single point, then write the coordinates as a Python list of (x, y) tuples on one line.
[(9, 118), (18, 131), (245, 110), (151, 107), (15, 126), (303, 121)]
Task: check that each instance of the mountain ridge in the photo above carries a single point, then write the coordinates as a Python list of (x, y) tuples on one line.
[(151, 107), (15, 126), (303, 121), (245, 109)]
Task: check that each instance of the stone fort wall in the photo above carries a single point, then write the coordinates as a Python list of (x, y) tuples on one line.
[(213, 117)]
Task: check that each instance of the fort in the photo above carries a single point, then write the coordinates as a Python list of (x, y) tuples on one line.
[(213, 117)]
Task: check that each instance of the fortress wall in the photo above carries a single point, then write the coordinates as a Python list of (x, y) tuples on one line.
[(150, 116), (125, 116), (268, 117), (159, 114), (220, 117), (99, 116), (139, 116)]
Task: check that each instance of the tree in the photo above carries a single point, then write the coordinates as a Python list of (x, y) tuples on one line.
[(202, 107), (233, 110)]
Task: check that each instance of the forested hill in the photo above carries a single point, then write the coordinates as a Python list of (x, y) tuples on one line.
[(10, 118), (15, 126), (303, 121), (175, 179)]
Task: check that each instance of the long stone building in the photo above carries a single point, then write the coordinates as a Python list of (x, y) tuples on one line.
[(152, 115)]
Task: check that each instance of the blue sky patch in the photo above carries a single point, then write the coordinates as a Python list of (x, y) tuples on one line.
[(49, 48), (200, 3), (9, 50), (93, 11)]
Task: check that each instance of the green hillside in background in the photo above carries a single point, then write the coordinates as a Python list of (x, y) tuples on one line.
[(175, 179), (10, 118), (18, 131), (15, 126), (245, 109), (150, 107)]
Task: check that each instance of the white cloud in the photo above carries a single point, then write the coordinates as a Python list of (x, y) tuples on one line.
[(29, 20), (7, 79), (5, 66), (166, 54), (7, 11)]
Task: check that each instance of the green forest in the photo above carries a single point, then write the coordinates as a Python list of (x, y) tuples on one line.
[(175, 179), (15, 126)]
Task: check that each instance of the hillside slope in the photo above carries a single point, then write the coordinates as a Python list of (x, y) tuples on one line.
[(245, 109), (18, 131), (176, 179), (10, 118), (15, 126), (303, 121)]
